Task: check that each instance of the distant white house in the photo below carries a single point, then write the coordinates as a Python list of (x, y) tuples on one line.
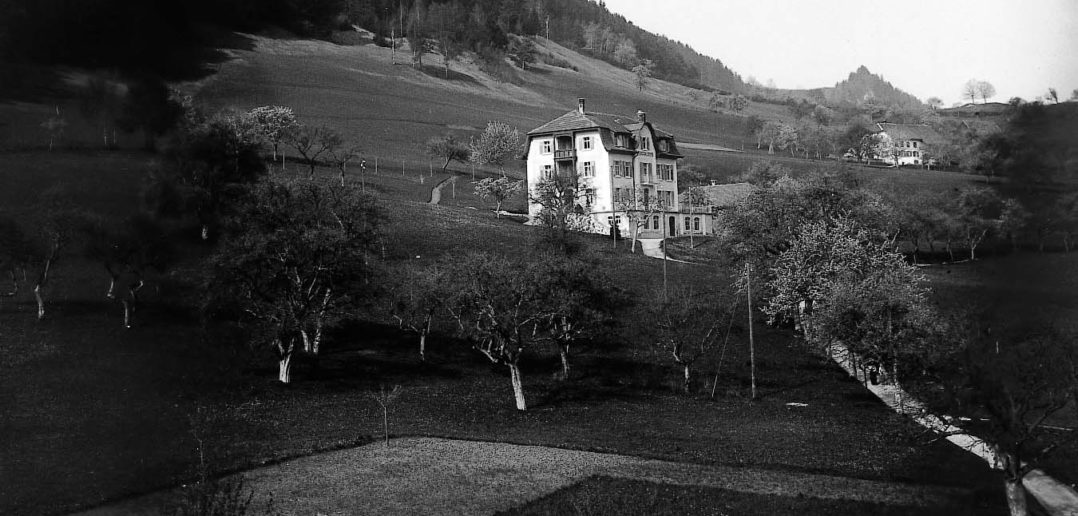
[(620, 162), (906, 144)]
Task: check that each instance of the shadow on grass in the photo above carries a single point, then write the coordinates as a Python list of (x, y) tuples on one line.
[(438, 72)]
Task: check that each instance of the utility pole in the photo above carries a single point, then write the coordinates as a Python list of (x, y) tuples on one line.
[(752, 341)]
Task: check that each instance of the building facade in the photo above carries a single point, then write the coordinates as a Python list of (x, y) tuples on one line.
[(626, 170), (907, 144)]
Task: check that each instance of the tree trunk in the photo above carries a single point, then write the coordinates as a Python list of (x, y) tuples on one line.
[(14, 285), (205, 231), (40, 302), (688, 378), (127, 314), (1016, 497), (752, 340), (518, 386), (285, 362), (564, 352)]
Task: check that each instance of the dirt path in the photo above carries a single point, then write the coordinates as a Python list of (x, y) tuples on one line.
[(436, 192), (441, 476)]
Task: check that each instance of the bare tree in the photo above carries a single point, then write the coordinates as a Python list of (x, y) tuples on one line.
[(688, 324), (449, 149), (313, 142), (969, 90)]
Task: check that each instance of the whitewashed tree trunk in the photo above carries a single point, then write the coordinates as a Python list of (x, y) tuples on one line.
[(564, 352), (518, 386), (127, 314), (205, 232), (1016, 497), (688, 378), (40, 302), (285, 363)]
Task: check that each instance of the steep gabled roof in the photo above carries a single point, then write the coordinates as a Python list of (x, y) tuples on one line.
[(575, 120), (910, 132)]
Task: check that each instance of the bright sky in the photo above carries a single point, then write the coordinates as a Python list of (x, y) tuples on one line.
[(924, 47)]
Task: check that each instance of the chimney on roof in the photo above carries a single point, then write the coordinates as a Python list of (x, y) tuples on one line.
[(641, 116), (580, 105)]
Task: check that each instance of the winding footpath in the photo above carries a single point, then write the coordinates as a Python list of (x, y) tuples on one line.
[(436, 192)]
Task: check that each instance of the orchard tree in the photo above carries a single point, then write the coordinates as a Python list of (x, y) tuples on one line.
[(128, 251), (500, 306), (275, 123), (978, 212), (558, 198), (313, 142), (419, 293), (341, 156), (297, 262), (498, 190), (934, 103), (583, 303), (639, 210), (17, 253), (448, 149), (498, 143), (688, 324)]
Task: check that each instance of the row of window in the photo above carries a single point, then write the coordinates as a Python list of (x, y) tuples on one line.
[(691, 223), (620, 169), (626, 194), (588, 143), (909, 144)]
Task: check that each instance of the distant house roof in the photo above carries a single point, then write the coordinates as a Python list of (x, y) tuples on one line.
[(725, 195), (911, 132)]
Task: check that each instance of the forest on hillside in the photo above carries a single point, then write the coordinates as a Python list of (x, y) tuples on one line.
[(166, 37)]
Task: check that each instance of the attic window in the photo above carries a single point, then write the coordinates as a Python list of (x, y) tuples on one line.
[(663, 146), (621, 140)]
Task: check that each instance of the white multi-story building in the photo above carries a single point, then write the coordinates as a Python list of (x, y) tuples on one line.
[(623, 164)]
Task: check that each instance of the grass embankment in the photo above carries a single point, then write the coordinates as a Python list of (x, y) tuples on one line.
[(92, 412)]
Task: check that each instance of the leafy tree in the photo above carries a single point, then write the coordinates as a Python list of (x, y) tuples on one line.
[(313, 142), (738, 103), (497, 144), (207, 170), (934, 103), (449, 149), (499, 190), (638, 209), (643, 73), (275, 123), (559, 199), (522, 51), (985, 90), (296, 263)]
